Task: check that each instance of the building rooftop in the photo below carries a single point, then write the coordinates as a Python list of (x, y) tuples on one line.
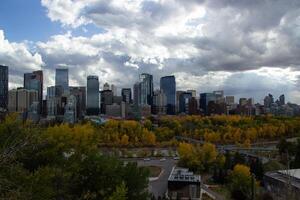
[(184, 175), (292, 175)]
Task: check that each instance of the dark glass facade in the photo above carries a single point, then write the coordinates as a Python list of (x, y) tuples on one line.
[(34, 81), (126, 95), (62, 79), (3, 86), (168, 87), (146, 95), (184, 102), (205, 99), (92, 95)]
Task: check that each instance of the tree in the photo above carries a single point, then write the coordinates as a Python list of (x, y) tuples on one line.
[(120, 193), (240, 182), (124, 140)]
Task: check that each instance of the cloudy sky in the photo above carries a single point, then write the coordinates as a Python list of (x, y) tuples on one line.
[(246, 48)]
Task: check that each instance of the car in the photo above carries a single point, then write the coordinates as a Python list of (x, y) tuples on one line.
[(176, 158), (162, 159), (147, 159)]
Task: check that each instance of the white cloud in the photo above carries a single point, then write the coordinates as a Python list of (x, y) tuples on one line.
[(18, 58)]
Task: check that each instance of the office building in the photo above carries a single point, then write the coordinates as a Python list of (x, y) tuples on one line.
[(106, 86), (219, 95), (3, 87), (282, 100), (70, 115), (13, 100), (21, 99), (159, 103), (268, 101), (183, 184), (126, 95), (205, 99), (116, 110), (92, 103), (229, 100), (168, 87), (62, 79), (193, 106), (79, 92), (243, 102), (107, 98), (137, 93), (193, 92), (184, 102), (146, 81), (34, 81), (33, 112), (114, 89), (178, 93)]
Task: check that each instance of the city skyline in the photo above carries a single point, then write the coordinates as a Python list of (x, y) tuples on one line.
[(215, 45)]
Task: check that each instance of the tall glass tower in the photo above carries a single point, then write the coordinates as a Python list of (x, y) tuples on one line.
[(3, 86), (146, 95), (62, 79), (92, 103), (168, 87), (34, 81)]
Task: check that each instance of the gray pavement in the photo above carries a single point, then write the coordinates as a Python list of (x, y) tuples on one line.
[(158, 187)]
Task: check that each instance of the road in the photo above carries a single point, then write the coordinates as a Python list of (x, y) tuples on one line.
[(158, 187)]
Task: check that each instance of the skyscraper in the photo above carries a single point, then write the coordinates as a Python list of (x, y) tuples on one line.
[(146, 81), (62, 79), (3, 86), (205, 99), (168, 87), (184, 102), (159, 102), (137, 93), (92, 95), (281, 100), (126, 95), (34, 81)]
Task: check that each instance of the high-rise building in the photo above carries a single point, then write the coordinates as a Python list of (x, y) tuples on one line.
[(243, 101), (106, 86), (282, 100), (3, 87), (219, 96), (268, 101), (229, 100), (205, 99), (137, 93), (34, 81), (159, 102), (184, 102), (70, 115), (146, 81), (80, 93), (21, 99), (168, 87), (114, 89), (126, 95), (106, 99), (193, 92), (92, 95), (193, 106), (13, 100), (62, 79), (178, 93)]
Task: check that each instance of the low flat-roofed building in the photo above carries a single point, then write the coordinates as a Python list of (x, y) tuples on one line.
[(183, 184), (283, 184)]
